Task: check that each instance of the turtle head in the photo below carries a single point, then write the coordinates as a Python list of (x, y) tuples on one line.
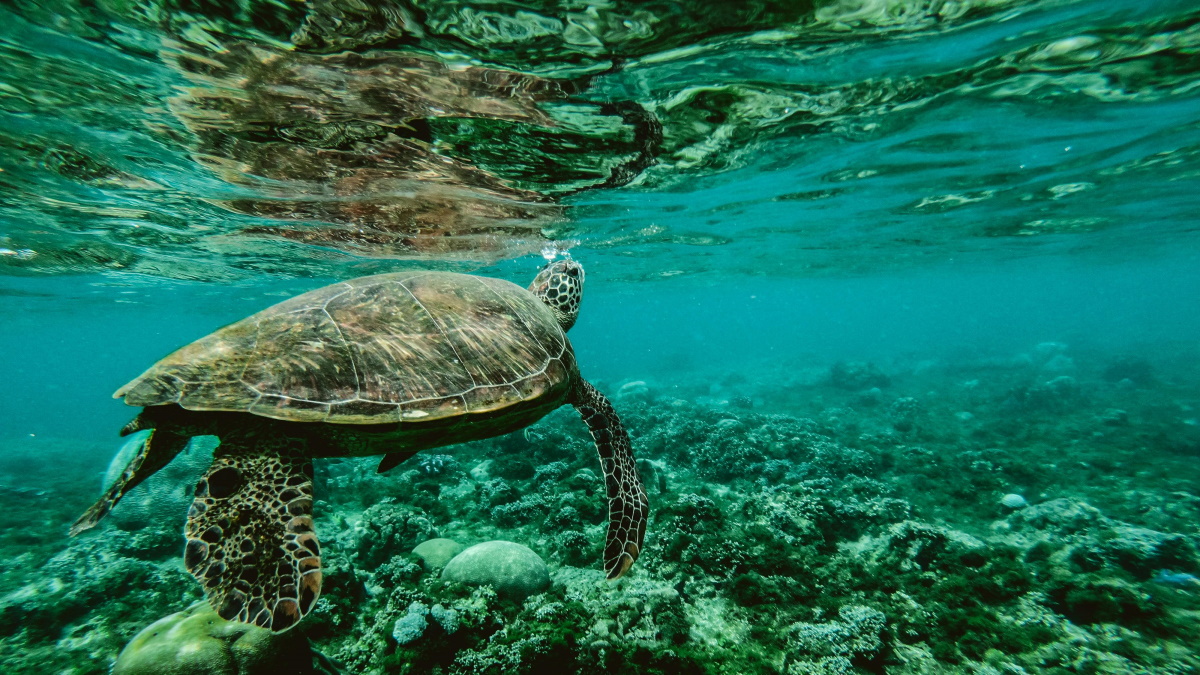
[(560, 286)]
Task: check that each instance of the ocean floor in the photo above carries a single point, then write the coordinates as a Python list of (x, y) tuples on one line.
[(1019, 513)]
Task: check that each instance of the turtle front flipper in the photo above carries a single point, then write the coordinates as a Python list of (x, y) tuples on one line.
[(250, 538), (627, 503), (159, 448)]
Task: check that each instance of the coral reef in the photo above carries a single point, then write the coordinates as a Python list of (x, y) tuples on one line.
[(998, 515)]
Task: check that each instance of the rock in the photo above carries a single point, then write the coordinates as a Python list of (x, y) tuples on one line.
[(1058, 365), (1135, 370), (1063, 386), (1045, 351), (638, 389), (198, 642), (1114, 417), (435, 553), (857, 375), (1084, 599), (653, 475), (927, 367), (482, 471), (513, 570), (1061, 516), (1052, 396), (870, 397), (1013, 501), (1141, 551)]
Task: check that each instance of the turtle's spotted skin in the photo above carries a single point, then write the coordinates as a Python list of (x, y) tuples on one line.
[(626, 498), (561, 292), (388, 364), (247, 507)]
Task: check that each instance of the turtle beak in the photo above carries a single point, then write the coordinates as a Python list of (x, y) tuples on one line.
[(568, 267)]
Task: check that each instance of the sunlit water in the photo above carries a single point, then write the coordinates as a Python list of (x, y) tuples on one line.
[(758, 191)]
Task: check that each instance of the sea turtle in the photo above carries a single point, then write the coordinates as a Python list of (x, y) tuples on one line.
[(388, 364)]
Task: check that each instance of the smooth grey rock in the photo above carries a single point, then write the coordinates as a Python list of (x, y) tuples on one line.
[(435, 553), (1060, 516), (515, 571), (1013, 501)]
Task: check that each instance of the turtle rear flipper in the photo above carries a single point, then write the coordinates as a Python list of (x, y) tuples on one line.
[(159, 448), (394, 459), (250, 538), (627, 503)]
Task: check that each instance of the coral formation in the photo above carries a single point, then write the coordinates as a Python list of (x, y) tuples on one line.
[(384, 530), (1013, 501), (196, 641), (834, 646), (975, 517), (513, 570), (435, 553)]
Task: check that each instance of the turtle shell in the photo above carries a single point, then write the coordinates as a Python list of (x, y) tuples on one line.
[(389, 348)]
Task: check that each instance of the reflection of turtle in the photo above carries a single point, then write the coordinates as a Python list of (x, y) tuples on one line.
[(396, 154), (393, 363), (386, 153), (345, 145)]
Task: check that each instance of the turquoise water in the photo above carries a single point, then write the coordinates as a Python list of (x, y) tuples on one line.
[(858, 272)]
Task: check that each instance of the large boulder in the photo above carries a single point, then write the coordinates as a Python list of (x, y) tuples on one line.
[(198, 642), (1142, 552), (513, 570), (435, 553)]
